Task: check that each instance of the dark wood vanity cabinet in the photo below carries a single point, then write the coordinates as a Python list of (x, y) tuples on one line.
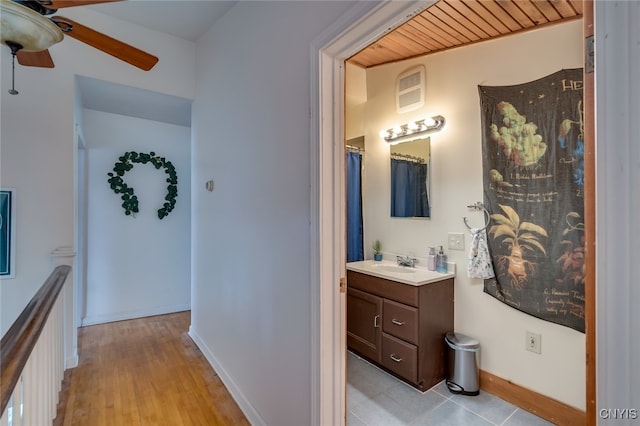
[(364, 313), (400, 327)]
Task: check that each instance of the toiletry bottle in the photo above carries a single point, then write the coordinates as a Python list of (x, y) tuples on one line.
[(431, 259), (441, 261)]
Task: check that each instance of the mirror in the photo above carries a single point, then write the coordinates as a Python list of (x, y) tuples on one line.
[(410, 164)]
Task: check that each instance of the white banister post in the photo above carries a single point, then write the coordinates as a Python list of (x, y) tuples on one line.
[(66, 256)]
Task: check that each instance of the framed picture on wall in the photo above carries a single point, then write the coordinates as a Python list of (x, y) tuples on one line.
[(7, 233)]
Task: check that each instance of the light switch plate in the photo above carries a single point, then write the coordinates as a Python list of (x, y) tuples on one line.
[(456, 241)]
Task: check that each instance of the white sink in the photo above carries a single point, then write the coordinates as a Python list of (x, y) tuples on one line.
[(394, 268), (392, 271)]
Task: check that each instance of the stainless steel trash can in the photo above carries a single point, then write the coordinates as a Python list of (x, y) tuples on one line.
[(463, 375)]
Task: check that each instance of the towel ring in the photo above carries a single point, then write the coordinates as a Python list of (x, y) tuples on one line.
[(478, 206)]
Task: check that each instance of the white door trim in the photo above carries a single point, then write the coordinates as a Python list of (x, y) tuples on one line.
[(363, 24), (617, 106)]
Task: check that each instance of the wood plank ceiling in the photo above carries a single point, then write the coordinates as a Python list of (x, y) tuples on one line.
[(447, 24)]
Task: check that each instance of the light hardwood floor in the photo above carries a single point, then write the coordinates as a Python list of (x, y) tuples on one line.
[(144, 372)]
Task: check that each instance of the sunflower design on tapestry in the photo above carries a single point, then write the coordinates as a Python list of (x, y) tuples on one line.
[(520, 239)]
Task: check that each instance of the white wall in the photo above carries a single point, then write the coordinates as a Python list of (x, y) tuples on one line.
[(452, 80), (617, 46), (37, 137), (355, 100), (136, 266), (251, 236)]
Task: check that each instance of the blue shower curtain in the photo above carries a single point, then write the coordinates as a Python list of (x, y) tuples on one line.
[(409, 189), (355, 250)]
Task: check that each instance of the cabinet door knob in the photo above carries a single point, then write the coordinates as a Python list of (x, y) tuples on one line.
[(395, 358), (397, 322), (376, 320)]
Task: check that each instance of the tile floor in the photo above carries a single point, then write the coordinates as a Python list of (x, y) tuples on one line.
[(377, 398)]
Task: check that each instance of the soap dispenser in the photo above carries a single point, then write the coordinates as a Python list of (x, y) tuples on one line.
[(431, 259), (441, 262)]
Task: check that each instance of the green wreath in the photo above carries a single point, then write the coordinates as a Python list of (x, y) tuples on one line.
[(129, 199)]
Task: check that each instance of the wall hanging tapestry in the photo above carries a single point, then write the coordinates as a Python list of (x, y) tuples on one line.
[(129, 199), (533, 168)]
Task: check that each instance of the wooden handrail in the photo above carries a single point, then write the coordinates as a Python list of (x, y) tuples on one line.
[(16, 345)]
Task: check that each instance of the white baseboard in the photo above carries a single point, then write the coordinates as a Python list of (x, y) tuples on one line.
[(71, 361), (245, 405), (121, 316)]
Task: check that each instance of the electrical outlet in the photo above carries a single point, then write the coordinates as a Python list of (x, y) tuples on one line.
[(456, 241), (533, 342)]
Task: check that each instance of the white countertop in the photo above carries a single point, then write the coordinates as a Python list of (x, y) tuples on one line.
[(390, 270)]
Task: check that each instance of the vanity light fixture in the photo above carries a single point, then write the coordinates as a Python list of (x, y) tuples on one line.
[(415, 130)]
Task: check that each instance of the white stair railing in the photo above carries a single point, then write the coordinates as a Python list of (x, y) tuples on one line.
[(32, 357)]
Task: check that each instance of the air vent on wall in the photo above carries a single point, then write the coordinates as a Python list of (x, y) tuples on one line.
[(410, 89)]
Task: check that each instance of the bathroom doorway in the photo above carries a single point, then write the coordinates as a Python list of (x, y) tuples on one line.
[(332, 75)]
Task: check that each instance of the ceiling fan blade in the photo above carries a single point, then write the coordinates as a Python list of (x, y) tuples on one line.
[(35, 59), (59, 4), (109, 45)]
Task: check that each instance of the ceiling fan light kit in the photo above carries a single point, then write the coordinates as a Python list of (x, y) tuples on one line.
[(28, 28), (28, 32)]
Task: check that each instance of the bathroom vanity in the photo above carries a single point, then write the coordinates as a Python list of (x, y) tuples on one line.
[(397, 318)]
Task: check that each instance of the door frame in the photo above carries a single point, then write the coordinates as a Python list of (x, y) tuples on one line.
[(590, 220), (362, 25)]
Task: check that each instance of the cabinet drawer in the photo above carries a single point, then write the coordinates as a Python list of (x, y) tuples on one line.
[(388, 289), (400, 357), (400, 320)]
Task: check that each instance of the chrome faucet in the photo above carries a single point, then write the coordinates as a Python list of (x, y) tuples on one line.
[(406, 261)]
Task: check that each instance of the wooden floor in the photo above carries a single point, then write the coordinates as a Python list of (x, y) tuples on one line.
[(144, 372)]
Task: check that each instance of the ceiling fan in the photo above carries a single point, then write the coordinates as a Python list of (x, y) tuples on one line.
[(28, 30)]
